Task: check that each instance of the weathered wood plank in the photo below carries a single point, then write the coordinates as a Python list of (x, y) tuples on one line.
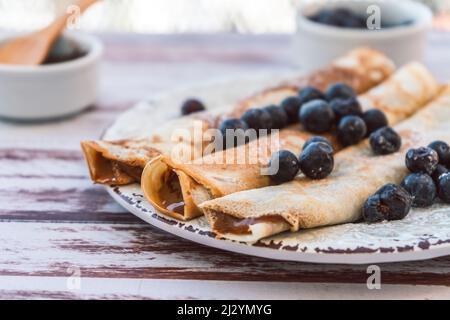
[(141, 251), (41, 164), (53, 185), (60, 199), (107, 288)]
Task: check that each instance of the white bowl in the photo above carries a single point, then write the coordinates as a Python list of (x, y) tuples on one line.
[(317, 44), (52, 90)]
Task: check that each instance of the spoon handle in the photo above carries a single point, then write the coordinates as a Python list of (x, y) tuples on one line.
[(54, 29)]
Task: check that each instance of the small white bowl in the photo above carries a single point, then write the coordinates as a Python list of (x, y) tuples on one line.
[(317, 44), (50, 91)]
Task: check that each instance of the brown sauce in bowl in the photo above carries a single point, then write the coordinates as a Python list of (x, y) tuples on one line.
[(64, 50)]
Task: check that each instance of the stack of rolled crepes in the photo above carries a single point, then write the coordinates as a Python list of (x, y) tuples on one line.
[(238, 200)]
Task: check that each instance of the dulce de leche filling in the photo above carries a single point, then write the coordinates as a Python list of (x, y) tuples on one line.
[(104, 170), (170, 194), (133, 172), (224, 223)]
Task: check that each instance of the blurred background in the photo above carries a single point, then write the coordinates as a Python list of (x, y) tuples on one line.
[(176, 16)]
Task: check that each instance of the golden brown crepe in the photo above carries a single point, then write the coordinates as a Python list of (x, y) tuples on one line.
[(220, 173), (120, 162), (303, 203)]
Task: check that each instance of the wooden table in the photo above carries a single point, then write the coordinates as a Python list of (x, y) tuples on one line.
[(63, 237)]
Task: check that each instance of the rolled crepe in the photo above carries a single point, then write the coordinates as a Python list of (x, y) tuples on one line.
[(304, 203), (166, 181), (121, 162)]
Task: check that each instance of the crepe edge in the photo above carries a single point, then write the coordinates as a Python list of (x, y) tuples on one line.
[(98, 157), (152, 181)]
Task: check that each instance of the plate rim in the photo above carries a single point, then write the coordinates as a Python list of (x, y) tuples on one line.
[(434, 251)]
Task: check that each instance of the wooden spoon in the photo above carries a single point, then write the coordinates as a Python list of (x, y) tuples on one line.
[(33, 49)]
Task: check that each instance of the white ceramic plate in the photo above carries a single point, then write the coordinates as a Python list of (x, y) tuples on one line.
[(423, 234)]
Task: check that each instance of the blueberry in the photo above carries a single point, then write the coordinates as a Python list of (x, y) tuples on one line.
[(278, 115), (351, 130), (443, 151), (314, 17), (373, 211), (340, 17), (288, 166), (310, 93), (444, 187), (374, 119), (327, 17), (339, 90), (257, 119), (231, 134), (421, 187), (390, 202), (316, 161), (354, 22), (343, 12), (347, 18), (385, 141), (191, 106), (291, 106), (232, 124), (317, 116), (440, 170), (317, 139), (345, 107), (422, 159)]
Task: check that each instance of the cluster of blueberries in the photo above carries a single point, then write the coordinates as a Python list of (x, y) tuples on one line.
[(429, 179), (339, 17), (345, 18), (337, 108), (321, 112)]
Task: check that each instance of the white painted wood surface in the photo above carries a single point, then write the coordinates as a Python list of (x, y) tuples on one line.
[(52, 218), (100, 288)]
